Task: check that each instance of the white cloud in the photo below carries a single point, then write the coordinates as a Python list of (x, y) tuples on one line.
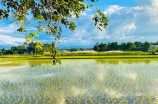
[(7, 29), (133, 23), (138, 8), (112, 9), (9, 40), (83, 13)]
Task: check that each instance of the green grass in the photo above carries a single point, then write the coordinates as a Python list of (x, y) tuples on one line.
[(101, 53), (88, 55)]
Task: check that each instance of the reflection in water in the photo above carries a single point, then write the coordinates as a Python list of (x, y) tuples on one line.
[(129, 61), (79, 81)]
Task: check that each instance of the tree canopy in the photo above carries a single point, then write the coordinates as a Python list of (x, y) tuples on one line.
[(129, 46), (48, 14)]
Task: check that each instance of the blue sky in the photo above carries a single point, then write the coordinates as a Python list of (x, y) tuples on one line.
[(130, 20)]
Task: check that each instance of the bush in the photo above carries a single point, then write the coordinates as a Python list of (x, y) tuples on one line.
[(153, 50), (1, 54)]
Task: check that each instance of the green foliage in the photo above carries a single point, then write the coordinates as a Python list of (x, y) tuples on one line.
[(4, 51), (48, 13), (74, 49), (31, 36), (55, 54), (129, 46), (53, 12), (21, 29), (146, 46), (153, 49)]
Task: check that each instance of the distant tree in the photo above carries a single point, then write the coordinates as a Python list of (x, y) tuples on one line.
[(4, 51), (146, 46), (130, 46), (114, 46), (82, 49), (75, 49), (102, 47), (21, 49), (138, 45), (122, 46), (153, 49), (33, 46), (8, 51), (155, 43), (96, 47), (14, 49), (109, 46), (47, 47)]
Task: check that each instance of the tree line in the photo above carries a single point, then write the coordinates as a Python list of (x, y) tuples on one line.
[(129, 46), (21, 49)]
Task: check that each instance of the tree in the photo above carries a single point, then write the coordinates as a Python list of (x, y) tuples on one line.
[(96, 47), (114, 46), (109, 46), (146, 46), (153, 49), (14, 49), (4, 51), (33, 46), (102, 47), (75, 49), (48, 14), (82, 49), (46, 47), (138, 45), (130, 46), (122, 46)]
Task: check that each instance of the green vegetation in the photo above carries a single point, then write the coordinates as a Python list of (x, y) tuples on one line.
[(48, 14), (129, 46), (153, 50), (90, 55), (101, 53)]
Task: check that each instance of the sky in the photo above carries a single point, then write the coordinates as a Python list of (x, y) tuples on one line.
[(129, 21)]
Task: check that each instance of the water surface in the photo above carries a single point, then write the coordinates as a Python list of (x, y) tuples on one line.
[(79, 81)]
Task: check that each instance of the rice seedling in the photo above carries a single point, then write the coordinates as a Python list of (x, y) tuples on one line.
[(79, 81)]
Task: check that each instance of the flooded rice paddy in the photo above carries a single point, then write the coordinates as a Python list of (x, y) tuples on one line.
[(79, 82)]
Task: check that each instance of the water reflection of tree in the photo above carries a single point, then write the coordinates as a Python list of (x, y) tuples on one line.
[(33, 63), (129, 61)]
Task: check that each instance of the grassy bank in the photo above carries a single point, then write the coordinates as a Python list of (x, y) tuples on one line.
[(101, 53), (92, 55)]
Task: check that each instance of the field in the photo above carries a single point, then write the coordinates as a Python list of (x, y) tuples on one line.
[(85, 55), (80, 81)]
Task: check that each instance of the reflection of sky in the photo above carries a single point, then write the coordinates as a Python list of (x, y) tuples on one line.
[(75, 78)]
